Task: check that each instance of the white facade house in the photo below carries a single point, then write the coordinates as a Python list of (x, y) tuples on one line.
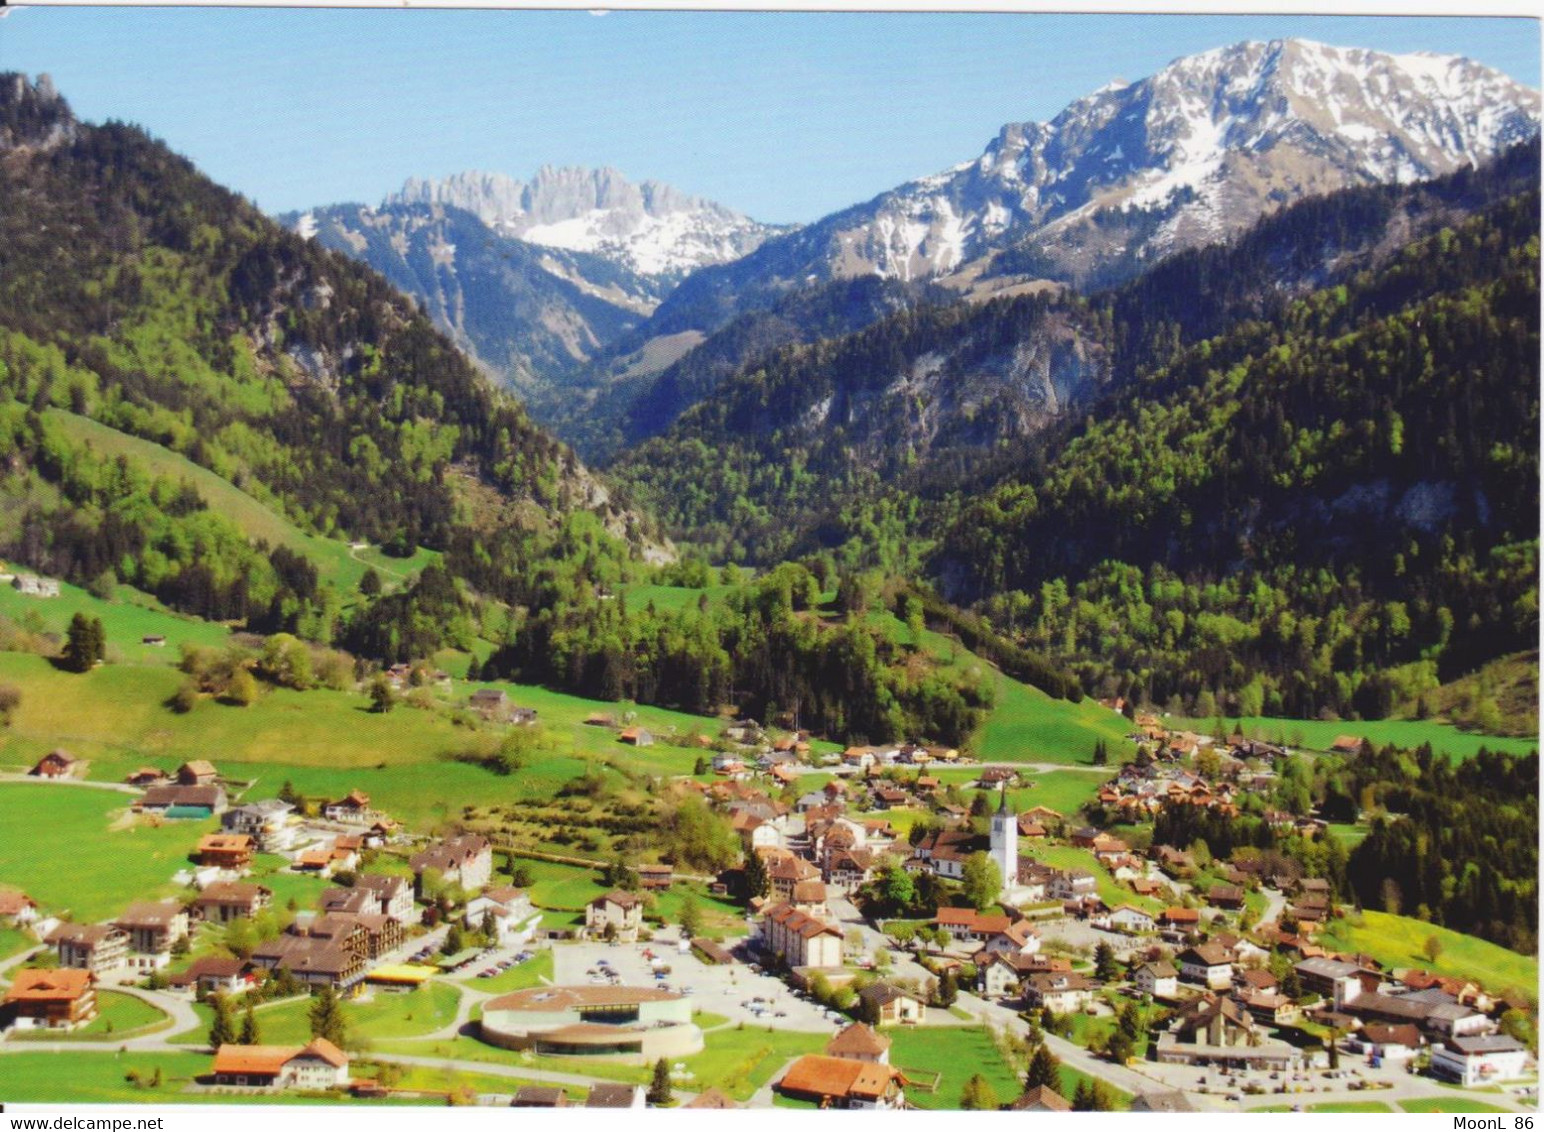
[(1476, 1060)]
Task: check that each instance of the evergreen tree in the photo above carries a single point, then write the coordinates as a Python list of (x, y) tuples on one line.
[(222, 1031), (757, 883), (1106, 967), (1044, 1069), (659, 1087), (948, 989), (1082, 1098), (80, 646), (370, 583), (250, 1035), (978, 1095), (326, 1017)]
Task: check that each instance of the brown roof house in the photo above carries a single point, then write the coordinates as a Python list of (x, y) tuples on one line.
[(465, 860), (58, 763), (891, 1004), (154, 927), (614, 915), (54, 1000), (98, 948), (197, 772), (841, 1082), (861, 1043)]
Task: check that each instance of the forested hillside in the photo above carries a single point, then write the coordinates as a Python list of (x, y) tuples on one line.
[(1353, 382), (136, 292), (1305, 514)]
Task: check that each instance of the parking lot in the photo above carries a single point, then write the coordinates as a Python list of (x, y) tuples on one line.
[(733, 990)]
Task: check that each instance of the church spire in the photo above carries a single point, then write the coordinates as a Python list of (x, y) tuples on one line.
[(1002, 805)]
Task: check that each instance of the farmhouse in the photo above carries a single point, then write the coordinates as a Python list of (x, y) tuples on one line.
[(636, 737), (861, 1043), (1208, 964), (841, 1082), (147, 776), (213, 974), (317, 1065), (1041, 1098), (392, 896), (17, 909), (58, 763), (1220, 1031), (1061, 992), (197, 772), (1127, 918), (635, 1023), (60, 999), (611, 1095), (507, 908), (182, 801), (540, 1096), (315, 962), (616, 913)]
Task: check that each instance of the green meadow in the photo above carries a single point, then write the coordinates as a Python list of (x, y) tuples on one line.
[(1318, 735), (1400, 941), (60, 847)]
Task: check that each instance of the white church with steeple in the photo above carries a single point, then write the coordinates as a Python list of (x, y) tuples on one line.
[(1005, 843)]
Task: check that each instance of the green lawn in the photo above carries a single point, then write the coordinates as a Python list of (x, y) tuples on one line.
[(720, 918), (1399, 941), (1317, 735), (953, 1054), (409, 1014), (106, 869), (1448, 1104), (1025, 724), (470, 1049), (567, 887), (13, 940), (741, 1061), (92, 1077), (126, 621)]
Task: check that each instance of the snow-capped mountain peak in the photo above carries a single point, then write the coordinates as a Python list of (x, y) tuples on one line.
[(1188, 155), (648, 227)]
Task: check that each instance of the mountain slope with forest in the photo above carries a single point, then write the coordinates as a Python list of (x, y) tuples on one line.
[(137, 293)]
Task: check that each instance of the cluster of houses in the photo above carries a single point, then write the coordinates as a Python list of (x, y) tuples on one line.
[(344, 940)]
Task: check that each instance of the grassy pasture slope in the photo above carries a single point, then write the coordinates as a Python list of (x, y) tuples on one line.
[(59, 847)]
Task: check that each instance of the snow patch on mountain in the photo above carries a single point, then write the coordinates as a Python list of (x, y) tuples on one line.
[(649, 228)]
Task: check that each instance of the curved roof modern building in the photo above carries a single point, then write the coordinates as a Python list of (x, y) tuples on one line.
[(629, 1022)]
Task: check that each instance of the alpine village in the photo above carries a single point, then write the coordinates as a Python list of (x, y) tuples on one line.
[(1059, 636)]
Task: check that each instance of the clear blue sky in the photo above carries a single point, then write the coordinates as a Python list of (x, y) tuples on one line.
[(785, 116)]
